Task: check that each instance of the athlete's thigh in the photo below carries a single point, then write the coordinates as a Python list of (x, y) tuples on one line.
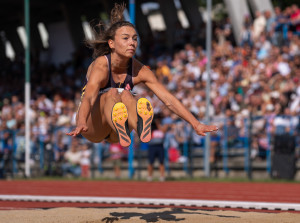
[(98, 128)]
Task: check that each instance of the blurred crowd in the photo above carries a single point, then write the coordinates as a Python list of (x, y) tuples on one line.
[(257, 77)]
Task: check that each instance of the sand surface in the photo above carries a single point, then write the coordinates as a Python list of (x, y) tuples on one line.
[(116, 215)]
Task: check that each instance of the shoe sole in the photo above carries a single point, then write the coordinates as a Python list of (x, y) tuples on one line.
[(119, 117), (144, 112)]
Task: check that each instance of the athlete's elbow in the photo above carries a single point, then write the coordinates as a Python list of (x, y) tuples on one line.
[(169, 105)]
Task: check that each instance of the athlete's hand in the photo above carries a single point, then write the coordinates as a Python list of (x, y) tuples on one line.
[(79, 129), (201, 129)]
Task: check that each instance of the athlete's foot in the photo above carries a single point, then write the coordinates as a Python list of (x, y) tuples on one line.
[(144, 111), (119, 118)]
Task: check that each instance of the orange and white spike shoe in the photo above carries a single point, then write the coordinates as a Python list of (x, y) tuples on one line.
[(145, 115), (119, 118)]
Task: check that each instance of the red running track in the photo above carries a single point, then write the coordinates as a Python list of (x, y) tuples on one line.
[(259, 192)]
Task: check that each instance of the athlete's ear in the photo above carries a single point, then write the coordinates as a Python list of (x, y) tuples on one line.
[(111, 44)]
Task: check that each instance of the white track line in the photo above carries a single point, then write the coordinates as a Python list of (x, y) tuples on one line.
[(154, 201)]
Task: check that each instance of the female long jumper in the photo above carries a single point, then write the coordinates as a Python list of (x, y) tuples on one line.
[(108, 110)]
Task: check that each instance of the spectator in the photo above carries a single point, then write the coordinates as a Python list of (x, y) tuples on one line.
[(295, 19), (116, 156), (85, 161), (246, 34), (6, 155), (259, 24), (156, 150), (232, 132), (72, 160), (163, 72), (279, 27)]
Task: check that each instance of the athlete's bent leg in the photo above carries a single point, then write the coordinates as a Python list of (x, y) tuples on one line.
[(116, 114), (109, 100), (145, 117), (99, 126)]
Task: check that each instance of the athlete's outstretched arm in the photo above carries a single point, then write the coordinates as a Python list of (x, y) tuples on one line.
[(147, 76), (96, 74)]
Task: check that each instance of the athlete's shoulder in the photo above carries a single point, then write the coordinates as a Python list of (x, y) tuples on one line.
[(99, 65), (100, 62)]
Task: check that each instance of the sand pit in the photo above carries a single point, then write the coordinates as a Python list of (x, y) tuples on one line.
[(116, 215)]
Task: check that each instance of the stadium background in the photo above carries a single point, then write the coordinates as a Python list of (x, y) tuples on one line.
[(254, 93)]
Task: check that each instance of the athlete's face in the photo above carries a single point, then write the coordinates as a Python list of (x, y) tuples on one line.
[(125, 42)]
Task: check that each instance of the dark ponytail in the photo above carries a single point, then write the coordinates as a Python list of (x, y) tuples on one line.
[(116, 14)]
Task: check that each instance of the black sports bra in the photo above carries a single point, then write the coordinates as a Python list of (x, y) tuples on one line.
[(127, 84)]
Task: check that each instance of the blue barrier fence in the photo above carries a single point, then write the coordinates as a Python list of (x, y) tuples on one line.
[(243, 142)]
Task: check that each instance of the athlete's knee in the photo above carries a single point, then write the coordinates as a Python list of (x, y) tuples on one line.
[(126, 96), (113, 94)]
